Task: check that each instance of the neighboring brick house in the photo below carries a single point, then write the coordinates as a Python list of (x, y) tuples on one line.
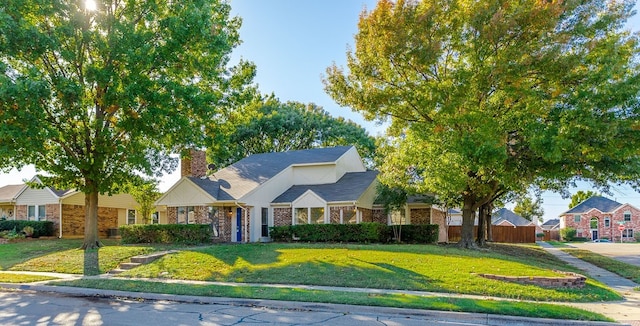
[(241, 201), (65, 208), (600, 217)]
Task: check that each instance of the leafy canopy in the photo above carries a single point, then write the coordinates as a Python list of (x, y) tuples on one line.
[(95, 97), (487, 97)]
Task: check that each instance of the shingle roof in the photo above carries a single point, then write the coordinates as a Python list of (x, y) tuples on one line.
[(551, 222), (349, 188), (504, 214), (242, 177), (10, 192), (602, 204)]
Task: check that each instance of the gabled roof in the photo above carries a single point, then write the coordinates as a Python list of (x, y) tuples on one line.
[(242, 177), (349, 188), (9, 193), (454, 211), (504, 214), (551, 222), (604, 205)]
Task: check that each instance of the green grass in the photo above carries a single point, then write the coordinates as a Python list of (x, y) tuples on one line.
[(405, 267), (64, 256), (625, 270), (512, 308), (557, 244), (18, 252), (23, 278)]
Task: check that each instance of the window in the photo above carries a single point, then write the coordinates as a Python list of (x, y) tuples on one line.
[(627, 216), (593, 223), (576, 218), (302, 216), (155, 218), (213, 214), (317, 215), (607, 222), (131, 216), (265, 222), (186, 215), (36, 213), (309, 215), (349, 216), (627, 233)]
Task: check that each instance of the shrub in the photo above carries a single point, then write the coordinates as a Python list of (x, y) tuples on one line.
[(40, 228), (568, 234), (362, 233), (166, 233), (28, 231)]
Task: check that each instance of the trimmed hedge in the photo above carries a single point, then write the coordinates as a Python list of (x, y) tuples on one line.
[(363, 232), (40, 228), (166, 233)]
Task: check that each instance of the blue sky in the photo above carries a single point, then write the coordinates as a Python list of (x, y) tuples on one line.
[(292, 42)]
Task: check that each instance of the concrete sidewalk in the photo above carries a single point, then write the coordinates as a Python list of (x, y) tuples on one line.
[(626, 311)]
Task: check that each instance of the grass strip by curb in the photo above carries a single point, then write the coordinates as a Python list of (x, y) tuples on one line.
[(623, 269), (499, 307), (23, 278)]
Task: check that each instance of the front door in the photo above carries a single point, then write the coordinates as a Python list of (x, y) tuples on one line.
[(594, 234), (239, 224)]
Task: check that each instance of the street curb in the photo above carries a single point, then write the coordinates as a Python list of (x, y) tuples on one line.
[(442, 316)]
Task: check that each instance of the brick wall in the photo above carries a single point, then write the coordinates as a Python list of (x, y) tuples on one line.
[(379, 216), (195, 165), (439, 217), (73, 219), (172, 215), (420, 215), (52, 213), (282, 216), (21, 212), (584, 229)]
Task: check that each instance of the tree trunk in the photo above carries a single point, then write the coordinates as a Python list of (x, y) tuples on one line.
[(482, 225), (468, 217), (91, 240), (488, 221)]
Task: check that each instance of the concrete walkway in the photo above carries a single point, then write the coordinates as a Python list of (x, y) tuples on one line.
[(626, 311)]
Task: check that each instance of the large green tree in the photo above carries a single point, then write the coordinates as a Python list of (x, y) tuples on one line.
[(529, 208), (269, 125), (94, 96), (581, 196), (488, 97)]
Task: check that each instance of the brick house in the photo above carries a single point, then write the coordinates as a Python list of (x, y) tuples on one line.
[(241, 201), (65, 208), (600, 217)]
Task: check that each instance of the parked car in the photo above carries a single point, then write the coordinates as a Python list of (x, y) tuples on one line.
[(601, 240)]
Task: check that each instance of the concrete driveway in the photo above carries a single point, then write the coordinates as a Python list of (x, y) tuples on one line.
[(626, 252)]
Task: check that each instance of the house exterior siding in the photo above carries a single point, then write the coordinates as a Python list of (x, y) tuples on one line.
[(73, 220), (420, 215), (282, 216), (616, 217)]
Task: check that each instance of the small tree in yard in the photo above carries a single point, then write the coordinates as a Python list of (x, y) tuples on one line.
[(145, 193), (568, 234), (97, 96)]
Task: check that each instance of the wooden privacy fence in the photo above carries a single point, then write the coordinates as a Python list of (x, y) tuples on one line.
[(508, 234), (551, 235)]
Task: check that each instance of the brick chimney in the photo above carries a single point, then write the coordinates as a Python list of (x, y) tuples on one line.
[(195, 165)]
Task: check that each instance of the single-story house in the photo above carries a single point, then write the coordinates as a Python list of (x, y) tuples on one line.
[(241, 201), (600, 217), (505, 217), (8, 196), (65, 208), (552, 224)]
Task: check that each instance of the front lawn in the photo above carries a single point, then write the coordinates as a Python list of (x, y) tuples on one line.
[(406, 267)]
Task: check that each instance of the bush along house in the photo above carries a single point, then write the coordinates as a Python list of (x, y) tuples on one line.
[(599, 217), (313, 186)]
